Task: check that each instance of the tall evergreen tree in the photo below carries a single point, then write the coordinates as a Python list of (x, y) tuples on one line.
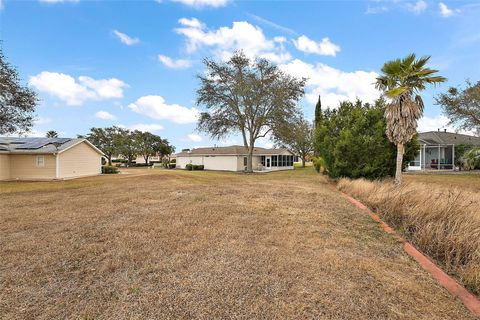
[(318, 112)]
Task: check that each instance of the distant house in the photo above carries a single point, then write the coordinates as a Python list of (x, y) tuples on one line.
[(234, 158), (48, 158), (437, 150)]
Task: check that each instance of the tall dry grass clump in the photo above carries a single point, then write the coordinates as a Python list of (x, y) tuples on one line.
[(442, 222)]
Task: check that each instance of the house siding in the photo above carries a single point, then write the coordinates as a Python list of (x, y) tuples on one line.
[(217, 162), (24, 167), (79, 161), (4, 166)]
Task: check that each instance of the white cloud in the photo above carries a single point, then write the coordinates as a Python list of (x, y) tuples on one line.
[(105, 115), (153, 127), (418, 7), (272, 24), (73, 92), (194, 137), (437, 122), (203, 3), (224, 40), (445, 11), (155, 107), (174, 64), (126, 39), (375, 10), (324, 48), (332, 84)]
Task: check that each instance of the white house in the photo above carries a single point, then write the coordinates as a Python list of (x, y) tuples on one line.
[(437, 150), (234, 158)]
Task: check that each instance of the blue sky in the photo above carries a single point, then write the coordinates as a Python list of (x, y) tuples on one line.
[(133, 63)]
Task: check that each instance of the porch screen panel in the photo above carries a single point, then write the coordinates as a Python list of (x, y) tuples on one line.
[(274, 161)]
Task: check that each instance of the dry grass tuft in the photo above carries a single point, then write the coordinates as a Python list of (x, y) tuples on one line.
[(444, 222)]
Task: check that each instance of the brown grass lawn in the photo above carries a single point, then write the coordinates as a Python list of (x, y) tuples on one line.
[(467, 181), (176, 244)]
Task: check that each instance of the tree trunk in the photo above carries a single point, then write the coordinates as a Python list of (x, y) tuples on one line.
[(398, 172), (146, 160), (249, 159), (303, 162), (109, 159)]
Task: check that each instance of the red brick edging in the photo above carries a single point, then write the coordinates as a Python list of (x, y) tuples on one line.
[(469, 300)]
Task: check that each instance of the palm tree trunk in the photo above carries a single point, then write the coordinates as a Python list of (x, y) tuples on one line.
[(398, 172)]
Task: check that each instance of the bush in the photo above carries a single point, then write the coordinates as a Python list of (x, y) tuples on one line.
[(109, 169), (172, 165), (319, 165), (194, 166), (173, 161), (352, 142), (442, 222)]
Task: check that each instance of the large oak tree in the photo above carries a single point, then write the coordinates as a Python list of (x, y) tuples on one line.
[(462, 106), (246, 96), (17, 102)]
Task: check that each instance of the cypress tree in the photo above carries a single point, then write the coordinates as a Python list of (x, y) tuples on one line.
[(318, 112)]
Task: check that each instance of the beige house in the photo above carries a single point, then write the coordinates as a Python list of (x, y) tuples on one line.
[(234, 158), (48, 158)]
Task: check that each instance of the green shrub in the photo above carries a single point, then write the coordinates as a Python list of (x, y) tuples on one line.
[(173, 161), (189, 166), (352, 142), (319, 165), (198, 167), (172, 165), (109, 169)]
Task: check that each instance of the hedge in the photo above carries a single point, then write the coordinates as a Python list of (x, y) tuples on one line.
[(109, 169)]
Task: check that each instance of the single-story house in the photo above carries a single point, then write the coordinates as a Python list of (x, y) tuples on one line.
[(234, 158), (48, 158), (437, 150)]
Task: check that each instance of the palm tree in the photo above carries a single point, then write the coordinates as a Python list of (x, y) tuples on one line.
[(52, 134), (401, 82), (470, 159)]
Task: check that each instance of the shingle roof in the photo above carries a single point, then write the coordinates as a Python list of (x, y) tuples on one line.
[(231, 150), (37, 145), (442, 137)]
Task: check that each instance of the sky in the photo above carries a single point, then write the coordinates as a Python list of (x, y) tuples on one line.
[(135, 63)]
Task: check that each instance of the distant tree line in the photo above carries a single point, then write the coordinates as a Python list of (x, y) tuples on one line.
[(115, 141)]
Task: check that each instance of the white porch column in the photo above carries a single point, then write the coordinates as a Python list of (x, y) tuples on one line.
[(420, 157), (438, 158), (453, 157)]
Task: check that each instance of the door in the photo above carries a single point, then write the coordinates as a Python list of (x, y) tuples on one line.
[(267, 162)]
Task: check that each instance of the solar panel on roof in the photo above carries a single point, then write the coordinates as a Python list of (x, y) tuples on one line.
[(36, 143)]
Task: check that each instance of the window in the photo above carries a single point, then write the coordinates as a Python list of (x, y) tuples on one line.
[(40, 161), (263, 160), (245, 161), (274, 161)]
